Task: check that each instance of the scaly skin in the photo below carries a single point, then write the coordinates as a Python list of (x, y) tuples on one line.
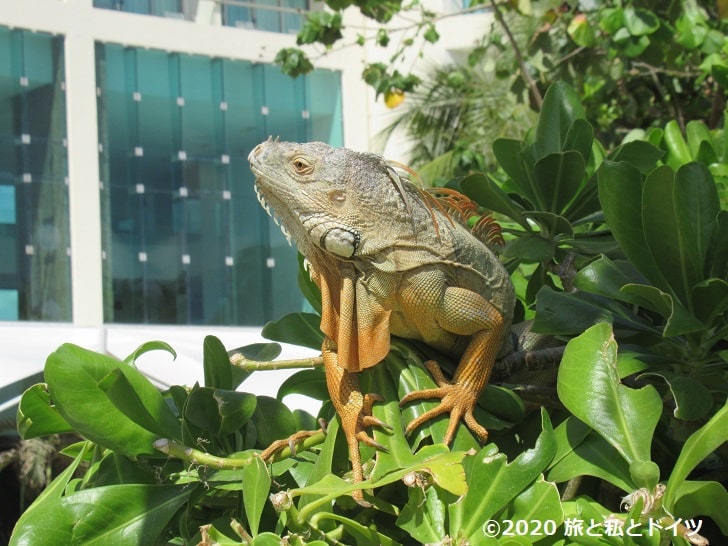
[(387, 262)]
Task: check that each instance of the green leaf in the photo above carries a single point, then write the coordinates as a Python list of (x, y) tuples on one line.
[(640, 21), (588, 455), (125, 397), (484, 191), (25, 528), (37, 416), (308, 288), (558, 177), (216, 364), (638, 153), (310, 383), (699, 498), (540, 502), (588, 385), (606, 277), (510, 155), (118, 514), (297, 329), (693, 399), (530, 248), (219, 412), (679, 218), (423, 517), (561, 108), (710, 300), (492, 483), (584, 310), (75, 377), (148, 347), (699, 445), (620, 193), (679, 320), (580, 30), (272, 420), (256, 485), (580, 138)]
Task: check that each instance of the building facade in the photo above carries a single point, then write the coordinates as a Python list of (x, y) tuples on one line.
[(126, 204)]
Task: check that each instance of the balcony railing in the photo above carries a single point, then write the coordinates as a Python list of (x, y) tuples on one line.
[(284, 16)]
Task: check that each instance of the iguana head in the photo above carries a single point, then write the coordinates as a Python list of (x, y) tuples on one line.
[(333, 199)]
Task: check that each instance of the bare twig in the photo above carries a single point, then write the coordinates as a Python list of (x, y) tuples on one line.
[(530, 83)]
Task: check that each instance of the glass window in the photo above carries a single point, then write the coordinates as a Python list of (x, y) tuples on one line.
[(185, 240), (164, 8), (272, 15), (34, 229)]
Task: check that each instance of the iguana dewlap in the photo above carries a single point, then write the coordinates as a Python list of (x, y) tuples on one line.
[(388, 261)]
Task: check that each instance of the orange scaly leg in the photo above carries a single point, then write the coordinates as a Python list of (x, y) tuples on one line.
[(354, 410)]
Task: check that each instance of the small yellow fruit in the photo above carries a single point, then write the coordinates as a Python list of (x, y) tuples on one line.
[(393, 97)]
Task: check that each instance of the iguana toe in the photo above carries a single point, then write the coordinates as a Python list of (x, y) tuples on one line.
[(290, 442), (456, 399)]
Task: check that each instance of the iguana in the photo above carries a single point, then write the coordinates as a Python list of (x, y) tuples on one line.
[(389, 259)]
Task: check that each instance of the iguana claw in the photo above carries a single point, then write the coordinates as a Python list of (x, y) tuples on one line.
[(457, 399)]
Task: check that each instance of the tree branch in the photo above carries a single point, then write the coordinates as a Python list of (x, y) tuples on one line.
[(530, 83)]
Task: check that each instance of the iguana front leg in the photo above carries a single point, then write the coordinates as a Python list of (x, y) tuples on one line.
[(463, 312), (353, 408)]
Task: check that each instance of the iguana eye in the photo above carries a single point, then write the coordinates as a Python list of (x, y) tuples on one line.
[(301, 165)]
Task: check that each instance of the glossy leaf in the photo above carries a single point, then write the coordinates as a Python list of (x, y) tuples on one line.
[(585, 309), (703, 498), (308, 288), (679, 320), (310, 383), (118, 514), (699, 445), (493, 483), (148, 347), (126, 397), (693, 399), (620, 192), (710, 300), (509, 154), (297, 329), (423, 517), (272, 420), (588, 385), (579, 138), (585, 453), (540, 502), (483, 190), (256, 485), (640, 21), (216, 364), (561, 108), (75, 377), (558, 177), (37, 416), (638, 153), (530, 249), (679, 214), (606, 277), (219, 412), (24, 530)]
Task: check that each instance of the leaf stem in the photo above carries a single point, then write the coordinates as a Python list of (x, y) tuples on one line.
[(239, 361), (179, 451)]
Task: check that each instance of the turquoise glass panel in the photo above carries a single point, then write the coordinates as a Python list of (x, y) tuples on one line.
[(185, 239), (35, 278)]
